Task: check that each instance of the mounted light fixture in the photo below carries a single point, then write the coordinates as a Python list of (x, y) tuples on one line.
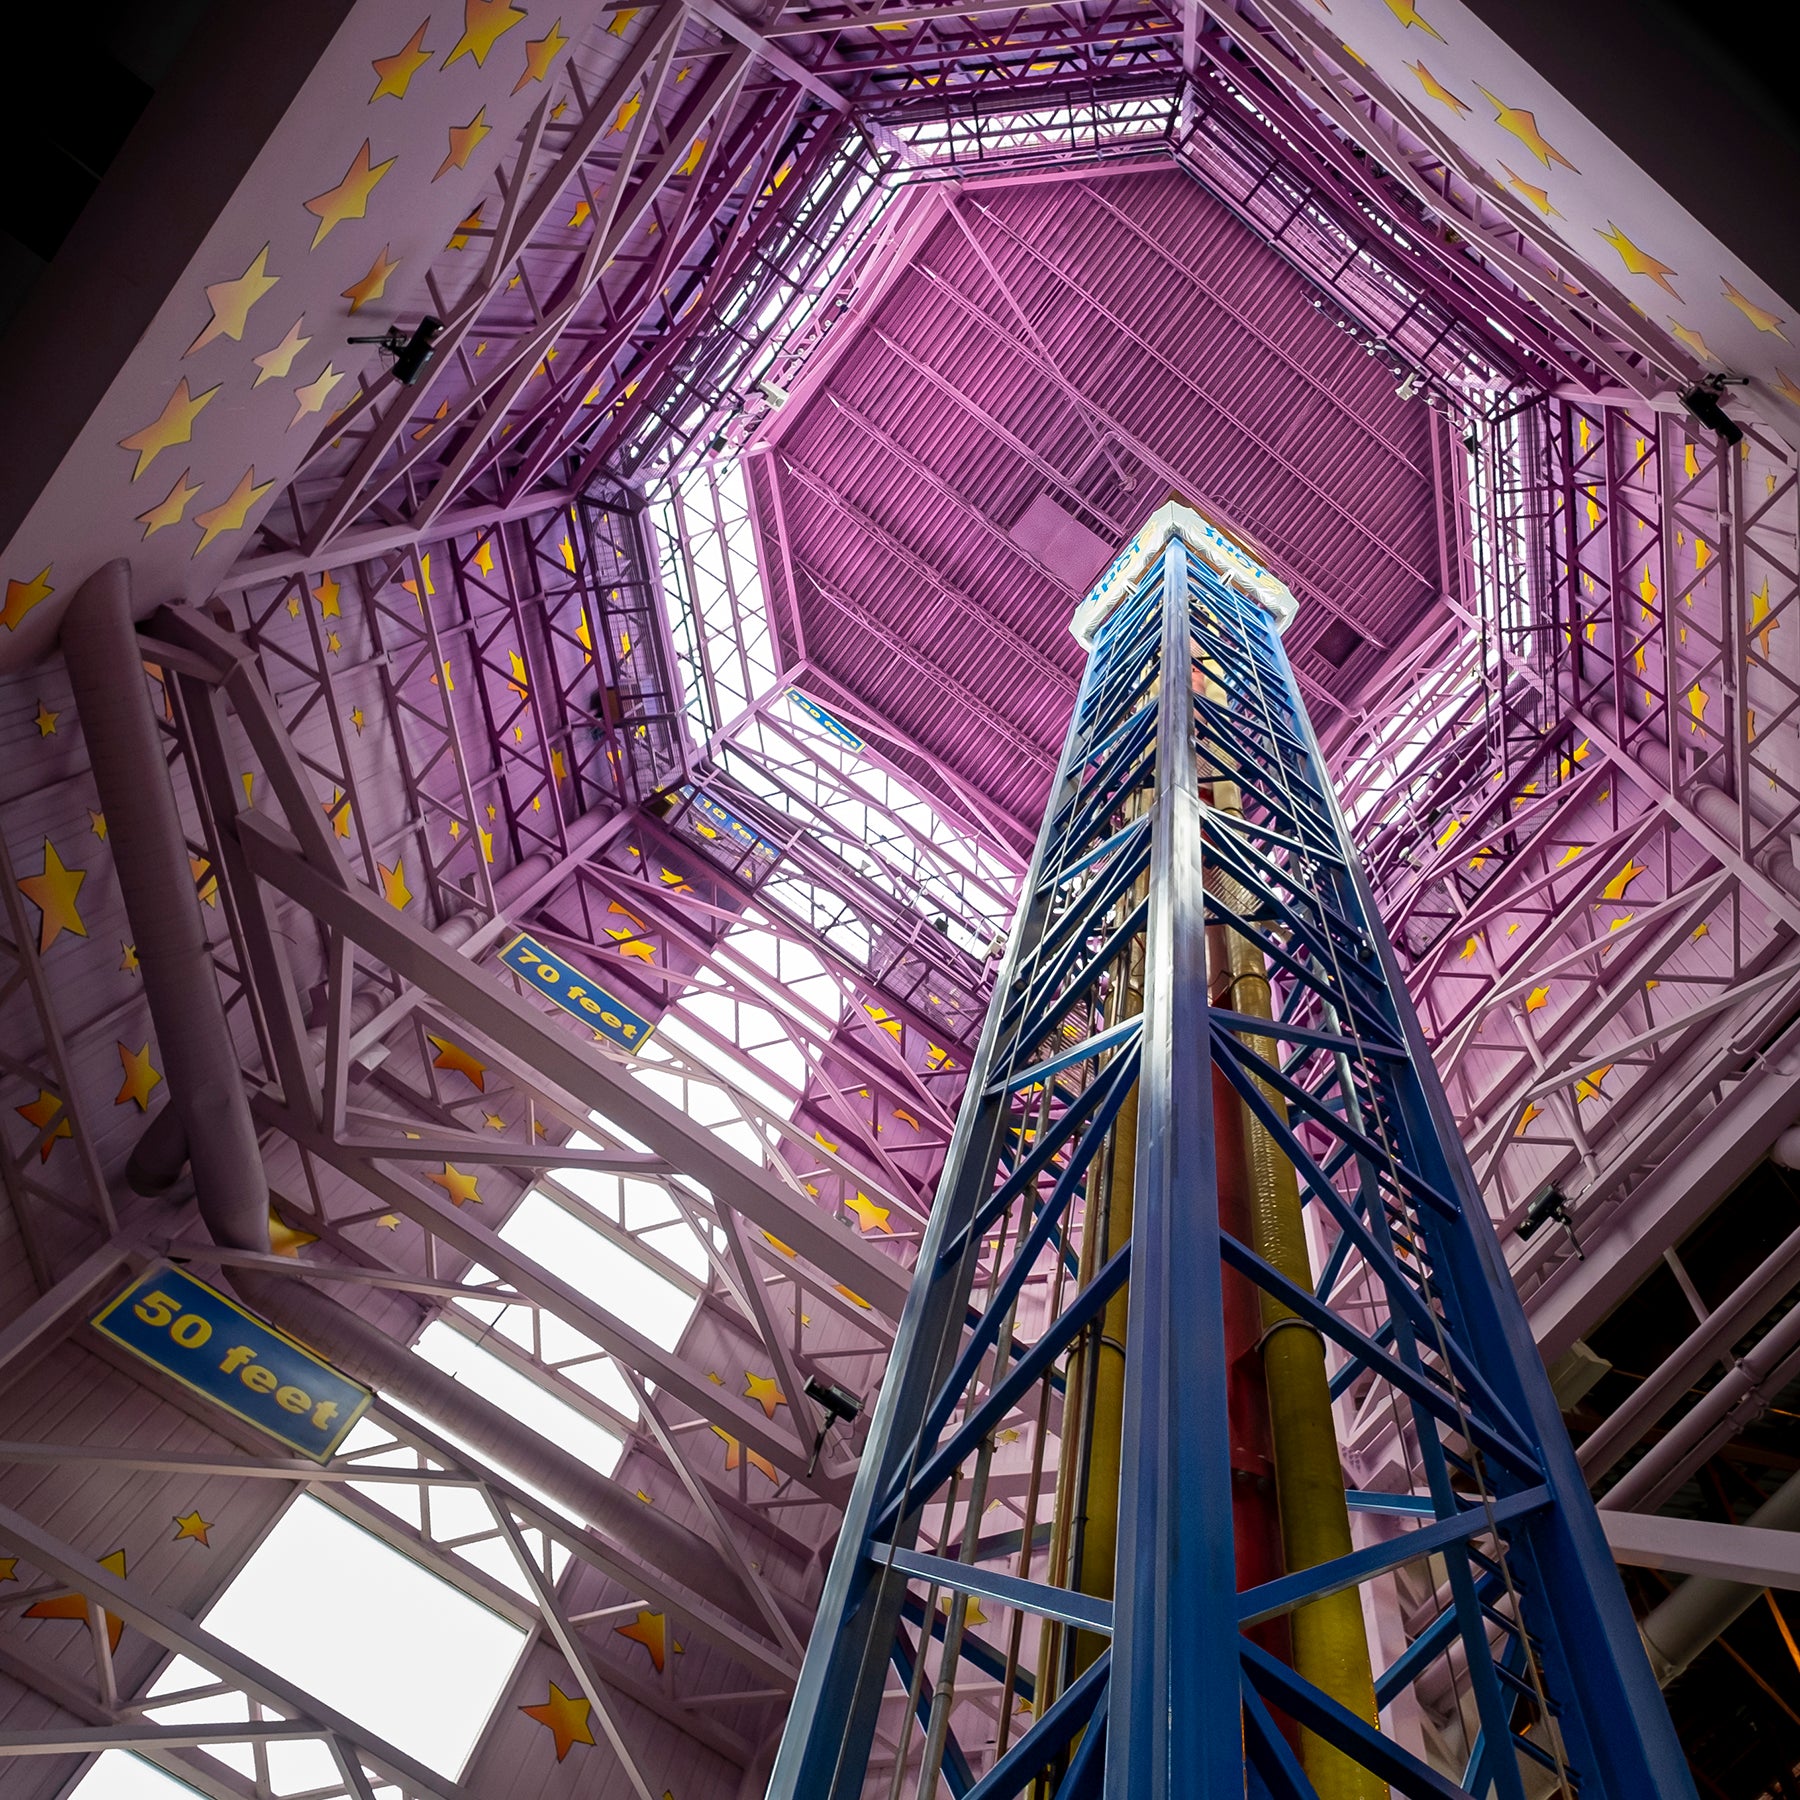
[(409, 354), (1704, 403)]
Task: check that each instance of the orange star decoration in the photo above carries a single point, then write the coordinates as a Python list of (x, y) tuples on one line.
[(651, 1629), (458, 1061), (374, 284), (313, 396), (393, 884), (326, 593), (232, 511), (356, 719), (53, 893), (190, 1526), (140, 1078), (168, 510), (1539, 197), (231, 302), (97, 825), (395, 72), (1636, 261), (463, 140), (1536, 999), (22, 596), (128, 961), (540, 53), (1436, 89), (206, 883), (1760, 622), (735, 1452), (765, 1391), (1759, 316), (350, 198), (456, 1184), (869, 1215), (9, 1568), (1694, 341), (337, 810), (1523, 125), (692, 160), (485, 22), (1532, 1111), (173, 425), (39, 1113), (45, 720), (1588, 1086), (75, 1606), (1408, 15), (286, 1239), (565, 1716), (273, 364)]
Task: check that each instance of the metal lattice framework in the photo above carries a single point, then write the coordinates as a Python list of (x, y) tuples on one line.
[(1524, 1639)]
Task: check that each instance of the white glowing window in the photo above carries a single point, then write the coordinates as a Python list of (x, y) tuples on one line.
[(118, 1775), (526, 1400), (362, 1628)]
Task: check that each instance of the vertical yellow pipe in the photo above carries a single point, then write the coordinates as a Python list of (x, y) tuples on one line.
[(1331, 1646)]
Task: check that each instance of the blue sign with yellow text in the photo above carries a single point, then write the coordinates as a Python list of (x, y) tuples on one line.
[(712, 820), (577, 994), (822, 718), (214, 1348)]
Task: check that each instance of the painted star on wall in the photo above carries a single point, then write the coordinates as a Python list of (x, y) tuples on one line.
[(75, 1606), (45, 720), (374, 284), (735, 1452), (39, 1112), (52, 891), (870, 1216), (565, 1716), (540, 53), (173, 425), (326, 593), (463, 142), (350, 198), (1539, 197), (232, 511), (1408, 15), (393, 883), (231, 302), (22, 596), (765, 1391), (170, 508), (1636, 261), (1436, 89), (651, 1629), (272, 365), (314, 394), (485, 22), (140, 1077), (190, 1527), (394, 73), (1759, 316), (1523, 125), (460, 1187), (458, 1061)]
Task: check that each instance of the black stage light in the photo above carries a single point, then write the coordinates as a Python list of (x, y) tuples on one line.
[(410, 354), (1472, 444), (1703, 403), (1548, 1203), (839, 1404)]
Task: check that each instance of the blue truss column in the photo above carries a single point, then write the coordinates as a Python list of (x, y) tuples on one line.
[(1524, 1649)]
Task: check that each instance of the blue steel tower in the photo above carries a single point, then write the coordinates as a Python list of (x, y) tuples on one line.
[(1204, 1199)]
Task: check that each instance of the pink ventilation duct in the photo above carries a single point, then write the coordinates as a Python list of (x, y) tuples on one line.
[(207, 1122)]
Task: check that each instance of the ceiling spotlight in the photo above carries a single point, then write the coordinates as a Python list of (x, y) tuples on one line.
[(1472, 444), (1703, 403), (776, 396), (409, 354), (1408, 387)]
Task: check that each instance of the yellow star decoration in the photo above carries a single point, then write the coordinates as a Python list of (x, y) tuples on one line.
[(350, 198), (628, 112), (458, 1061), (190, 1526), (1536, 999), (651, 1629), (231, 302), (173, 425), (972, 1613), (374, 284), (39, 1113), (1587, 1087), (97, 824), (326, 593), (540, 53), (273, 364), (1759, 316), (313, 396), (1436, 89), (22, 596), (459, 239), (485, 22), (286, 1239), (232, 511), (9, 1568), (1468, 949), (206, 883), (45, 720), (484, 556), (389, 1221), (168, 510), (75, 1606), (621, 19), (1523, 125), (293, 606), (871, 1216), (1532, 1111), (457, 1185), (1539, 197), (735, 1452), (394, 73), (1636, 261), (356, 719), (765, 1391), (463, 140), (337, 810), (565, 1716), (1759, 613), (1694, 341), (493, 1121), (1408, 15), (53, 893), (692, 160), (1787, 387), (128, 962), (393, 883), (140, 1077)]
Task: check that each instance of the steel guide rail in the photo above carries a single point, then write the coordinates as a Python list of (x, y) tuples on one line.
[(1527, 1632)]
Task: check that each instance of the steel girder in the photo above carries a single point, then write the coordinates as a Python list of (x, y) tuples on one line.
[(1187, 684)]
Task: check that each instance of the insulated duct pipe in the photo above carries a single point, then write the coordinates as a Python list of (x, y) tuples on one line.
[(209, 1112)]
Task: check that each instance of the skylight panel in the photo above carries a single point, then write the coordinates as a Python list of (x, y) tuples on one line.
[(118, 1775)]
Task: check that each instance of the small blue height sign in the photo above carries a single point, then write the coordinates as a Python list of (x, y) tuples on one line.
[(214, 1348), (577, 994)]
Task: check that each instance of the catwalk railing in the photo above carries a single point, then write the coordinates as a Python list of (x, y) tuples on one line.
[(1191, 827)]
